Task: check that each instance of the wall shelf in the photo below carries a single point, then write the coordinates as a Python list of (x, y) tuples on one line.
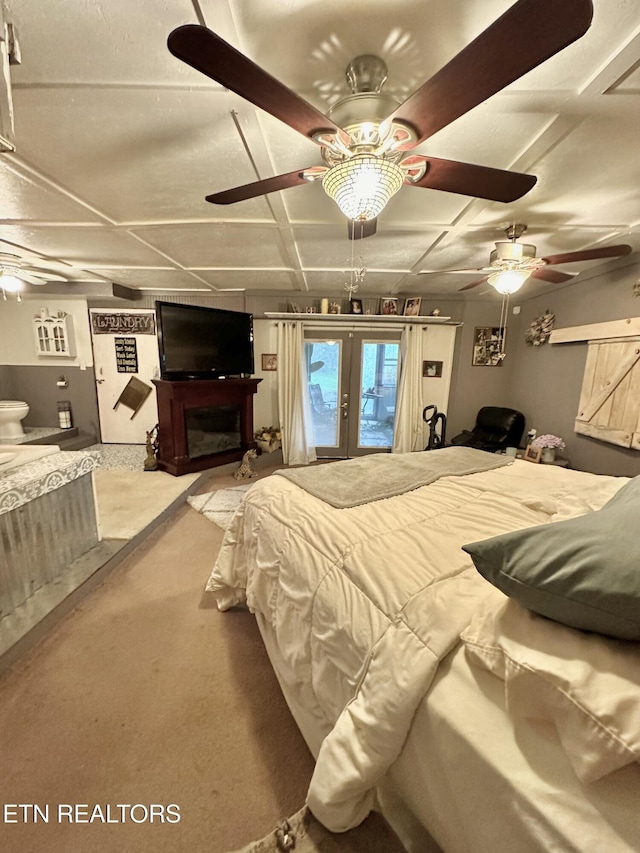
[(346, 319), (53, 334)]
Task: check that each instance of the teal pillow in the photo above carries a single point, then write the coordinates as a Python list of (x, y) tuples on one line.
[(584, 573)]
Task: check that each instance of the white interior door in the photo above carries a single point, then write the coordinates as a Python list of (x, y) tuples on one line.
[(125, 354)]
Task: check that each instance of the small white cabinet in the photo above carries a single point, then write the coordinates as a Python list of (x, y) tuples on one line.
[(53, 334)]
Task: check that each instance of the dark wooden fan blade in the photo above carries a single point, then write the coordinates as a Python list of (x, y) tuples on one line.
[(589, 254), (268, 185), (358, 230), (554, 276), (477, 181), (474, 283), (528, 33), (208, 53)]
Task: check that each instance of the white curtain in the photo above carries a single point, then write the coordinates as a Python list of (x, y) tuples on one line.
[(408, 433), (294, 406)]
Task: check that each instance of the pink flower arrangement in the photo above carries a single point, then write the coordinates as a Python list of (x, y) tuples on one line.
[(549, 440)]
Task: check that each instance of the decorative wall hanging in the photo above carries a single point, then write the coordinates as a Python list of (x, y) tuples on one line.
[(540, 329)]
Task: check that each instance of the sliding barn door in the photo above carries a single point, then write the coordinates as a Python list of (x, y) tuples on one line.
[(610, 399)]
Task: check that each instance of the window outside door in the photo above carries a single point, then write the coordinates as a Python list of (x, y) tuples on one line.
[(353, 379)]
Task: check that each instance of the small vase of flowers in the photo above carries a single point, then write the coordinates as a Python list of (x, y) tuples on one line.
[(549, 444), (268, 439)]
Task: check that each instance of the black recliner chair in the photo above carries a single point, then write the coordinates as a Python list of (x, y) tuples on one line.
[(496, 428)]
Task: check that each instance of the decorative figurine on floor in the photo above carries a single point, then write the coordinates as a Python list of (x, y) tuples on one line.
[(245, 471), (151, 462)]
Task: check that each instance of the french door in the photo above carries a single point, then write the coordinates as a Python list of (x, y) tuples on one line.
[(353, 379)]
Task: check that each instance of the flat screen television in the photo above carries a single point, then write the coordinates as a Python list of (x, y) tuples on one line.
[(203, 343)]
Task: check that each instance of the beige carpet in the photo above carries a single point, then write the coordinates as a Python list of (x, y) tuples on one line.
[(130, 500), (146, 694), (146, 702)]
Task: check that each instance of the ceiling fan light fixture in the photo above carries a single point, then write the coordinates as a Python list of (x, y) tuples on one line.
[(508, 281), (10, 282), (362, 185)]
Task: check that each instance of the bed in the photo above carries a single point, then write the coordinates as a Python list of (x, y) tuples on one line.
[(432, 667)]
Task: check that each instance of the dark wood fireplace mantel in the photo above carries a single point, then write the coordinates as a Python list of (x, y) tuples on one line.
[(177, 403)]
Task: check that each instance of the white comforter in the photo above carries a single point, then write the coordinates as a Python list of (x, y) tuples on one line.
[(365, 602)]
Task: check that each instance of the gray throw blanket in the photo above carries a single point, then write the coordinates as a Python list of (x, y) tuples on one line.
[(382, 475)]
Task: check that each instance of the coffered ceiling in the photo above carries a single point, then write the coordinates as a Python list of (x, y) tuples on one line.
[(117, 143)]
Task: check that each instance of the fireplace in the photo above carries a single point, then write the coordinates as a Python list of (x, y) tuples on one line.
[(203, 423), (212, 429)]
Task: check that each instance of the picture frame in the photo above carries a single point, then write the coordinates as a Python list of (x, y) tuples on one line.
[(532, 454), (432, 369), (269, 361), (355, 306), (388, 306), (412, 306), (487, 346)]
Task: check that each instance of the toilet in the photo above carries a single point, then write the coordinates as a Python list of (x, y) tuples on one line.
[(11, 413)]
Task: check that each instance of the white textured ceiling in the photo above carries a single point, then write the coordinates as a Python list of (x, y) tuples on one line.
[(118, 142)]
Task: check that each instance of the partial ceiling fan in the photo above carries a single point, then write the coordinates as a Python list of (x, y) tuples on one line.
[(365, 138), (15, 271), (512, 263)]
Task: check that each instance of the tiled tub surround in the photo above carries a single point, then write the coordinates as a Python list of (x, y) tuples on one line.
[(48, 521), (41, 476)]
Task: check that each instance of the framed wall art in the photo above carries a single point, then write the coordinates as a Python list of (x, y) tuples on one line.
[(269, 361), (432, 368), (487, 346), (412, 306), (388, 306)]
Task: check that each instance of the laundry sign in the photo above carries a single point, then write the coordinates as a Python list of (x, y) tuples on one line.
[(126, 355), (122, 323)]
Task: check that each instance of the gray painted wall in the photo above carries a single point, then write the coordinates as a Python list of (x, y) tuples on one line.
[(475, 386), (545, 381), (36, 385)]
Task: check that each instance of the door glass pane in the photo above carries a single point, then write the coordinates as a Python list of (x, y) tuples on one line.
[(323, 360), (378, 386)]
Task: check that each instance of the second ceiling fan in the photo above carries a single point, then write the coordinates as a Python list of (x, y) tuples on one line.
[(512, 263), (366, 138)]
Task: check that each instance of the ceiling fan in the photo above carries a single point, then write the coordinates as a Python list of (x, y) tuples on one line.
[(512, 263), (365, 138), (15, 271)]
